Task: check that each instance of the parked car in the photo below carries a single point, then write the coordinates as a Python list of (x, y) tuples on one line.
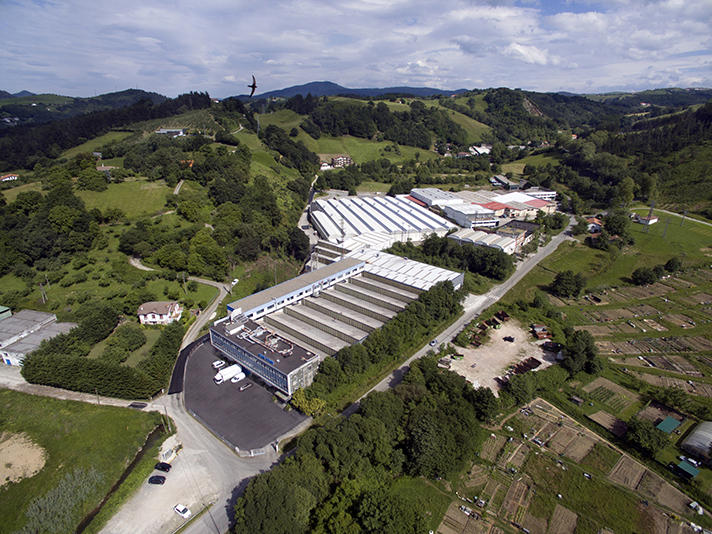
[(218, 364), (433, 342), (182, 511), (163, 466), (248, 385), (157, 480), (138, 405)]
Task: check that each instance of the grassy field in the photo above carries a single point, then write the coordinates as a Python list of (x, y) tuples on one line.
[(135, 198), (517, 167), (423, 496), (11, 194), (74, 435), (94, 144)]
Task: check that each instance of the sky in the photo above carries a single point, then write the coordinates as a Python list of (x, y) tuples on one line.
[(90, 47)]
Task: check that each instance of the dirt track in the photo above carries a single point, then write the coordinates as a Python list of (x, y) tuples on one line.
[(495, 356)]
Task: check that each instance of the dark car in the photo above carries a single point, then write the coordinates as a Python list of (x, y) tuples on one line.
[(157, 480), (163, 466), (138, 405)]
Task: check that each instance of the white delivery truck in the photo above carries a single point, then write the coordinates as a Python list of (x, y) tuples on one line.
[(226, 373)]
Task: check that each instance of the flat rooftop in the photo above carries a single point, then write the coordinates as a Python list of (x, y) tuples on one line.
[(276, 350), (285, 288)]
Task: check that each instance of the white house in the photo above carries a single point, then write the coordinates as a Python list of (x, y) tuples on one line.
[(159, 312)]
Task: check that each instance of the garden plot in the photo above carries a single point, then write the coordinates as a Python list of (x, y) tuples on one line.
[(535, 525), (563, 521), (702, 390), (611, 394), (656, 412), (580, 447), (678, 283), (627, 472), (661, 362), (478, 477), (644, 292), (699, 298), (598, 330), (654, 325), (628, 328), (616, 314), (610, 422), (518, 456), (458, 522), (562, 439), (683, 365), (679, 320), (697, 343), (515, 502), (654, 487), (492, 446), (643, 309)]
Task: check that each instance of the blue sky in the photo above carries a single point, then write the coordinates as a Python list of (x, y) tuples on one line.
[(88, 47)]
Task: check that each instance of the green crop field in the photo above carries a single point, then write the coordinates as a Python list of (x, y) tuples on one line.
[(284, 118), (76, 438), (517, 167)]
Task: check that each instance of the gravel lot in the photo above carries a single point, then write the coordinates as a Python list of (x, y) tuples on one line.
[(495, 356)]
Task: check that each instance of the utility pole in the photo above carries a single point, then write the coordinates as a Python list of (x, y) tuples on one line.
[(43, 294), (666, 225), (683, 218)]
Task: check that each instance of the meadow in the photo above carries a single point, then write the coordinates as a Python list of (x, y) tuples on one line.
[(77, 438)]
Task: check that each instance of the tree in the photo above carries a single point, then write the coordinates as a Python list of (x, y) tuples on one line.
[(644, 276), (567, 284), (581, 353), (673, 265), (643, 434)]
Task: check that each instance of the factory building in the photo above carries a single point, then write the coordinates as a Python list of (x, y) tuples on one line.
[(281, 334), (23, 332), (337, 220)]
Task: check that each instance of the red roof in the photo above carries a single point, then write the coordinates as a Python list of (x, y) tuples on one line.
[(418, 202), (537, 203), (494, 206)]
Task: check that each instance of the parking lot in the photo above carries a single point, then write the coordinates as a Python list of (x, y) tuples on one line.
[(246, 419)]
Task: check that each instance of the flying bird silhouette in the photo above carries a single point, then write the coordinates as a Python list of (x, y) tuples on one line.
[(254, 86)]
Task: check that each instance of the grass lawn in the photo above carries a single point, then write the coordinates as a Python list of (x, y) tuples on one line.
[(75, 436), (135, 198)]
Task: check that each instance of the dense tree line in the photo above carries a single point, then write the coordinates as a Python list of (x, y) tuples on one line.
[(293, 154), (384, 345), (419, 126), (449, 254), (25, 146), (342, 476), (62, 361)]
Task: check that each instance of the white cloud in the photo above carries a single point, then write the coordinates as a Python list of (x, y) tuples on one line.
[(216, 45)]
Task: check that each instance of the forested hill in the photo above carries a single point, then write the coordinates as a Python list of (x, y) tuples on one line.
[(333, 89), (26, 109)]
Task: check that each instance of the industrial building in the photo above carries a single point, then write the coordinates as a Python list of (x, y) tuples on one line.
[(699, 441), (401, 220), (23, 332), (281, 334), (472, 216)]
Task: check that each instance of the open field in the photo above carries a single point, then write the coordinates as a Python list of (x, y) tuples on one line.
[(134, 198), (95, 144), (76, 438)]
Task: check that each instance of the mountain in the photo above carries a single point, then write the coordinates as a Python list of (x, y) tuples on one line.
[(331, 89), (23, 93)]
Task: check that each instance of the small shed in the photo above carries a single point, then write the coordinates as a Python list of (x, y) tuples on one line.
[(578, 401), (686, 470), (668, 424)]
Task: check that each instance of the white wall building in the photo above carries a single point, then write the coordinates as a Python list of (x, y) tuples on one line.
[(159, 312)]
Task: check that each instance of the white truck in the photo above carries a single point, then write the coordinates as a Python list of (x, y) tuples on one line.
[(226, 373)]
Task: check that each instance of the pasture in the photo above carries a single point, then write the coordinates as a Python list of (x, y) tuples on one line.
[(95, 144), (135, 198)]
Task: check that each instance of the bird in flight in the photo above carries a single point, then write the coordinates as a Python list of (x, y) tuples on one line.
[(254, 86)]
